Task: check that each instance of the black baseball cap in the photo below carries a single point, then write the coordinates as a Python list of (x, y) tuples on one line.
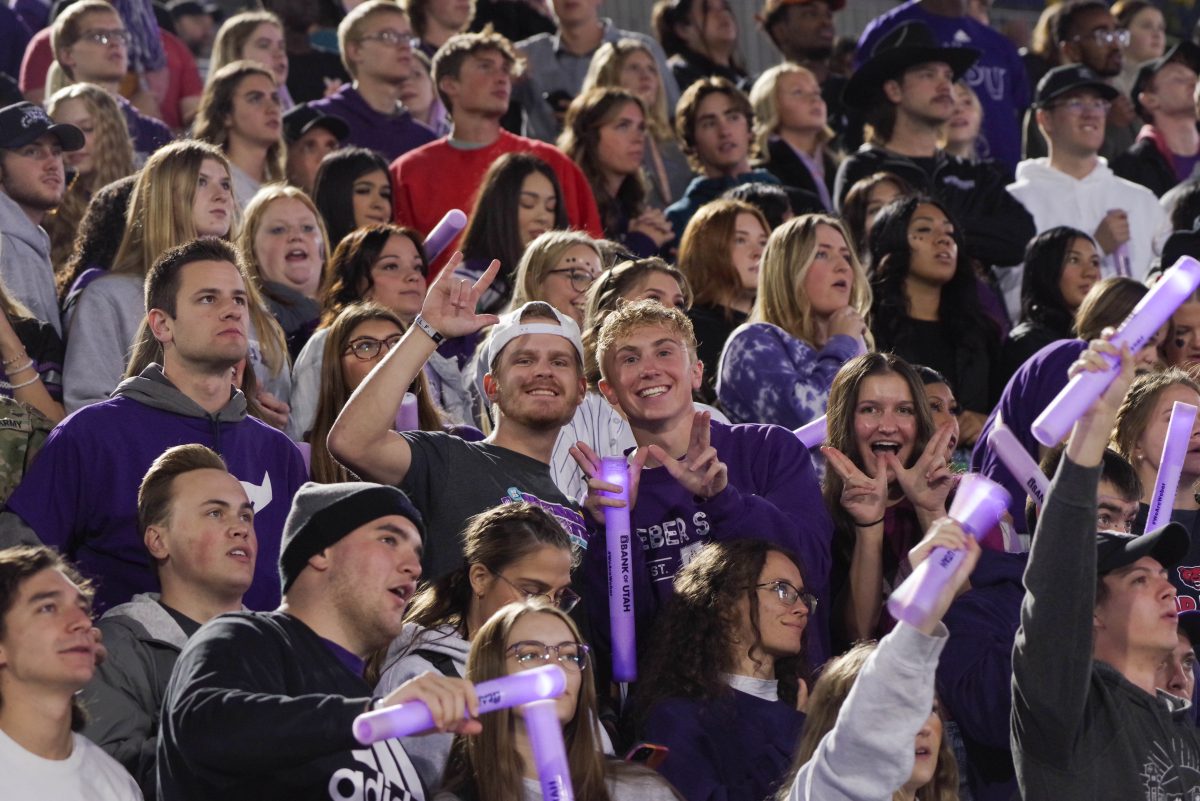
[(22, 123), (302, 118), (1067, 78), (1167, 544), (1184, 53)]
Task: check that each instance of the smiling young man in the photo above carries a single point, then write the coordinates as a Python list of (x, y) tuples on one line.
[(261, 704), (693, 479), (48, 651), (198, 525), (375, 40), (80, 494), (1074, 186), (534, 382), (905, 93), (1097, 621), (32, 183)]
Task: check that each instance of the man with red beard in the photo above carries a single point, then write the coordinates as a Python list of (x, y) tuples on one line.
[(535, 381)]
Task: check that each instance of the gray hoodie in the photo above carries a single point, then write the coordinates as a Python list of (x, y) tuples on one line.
[(25, 263), (415, 652)]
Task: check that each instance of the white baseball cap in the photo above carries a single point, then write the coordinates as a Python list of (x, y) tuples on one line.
[(510, 327)]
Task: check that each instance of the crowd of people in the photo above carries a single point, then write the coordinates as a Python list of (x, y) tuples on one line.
[(272, 456)]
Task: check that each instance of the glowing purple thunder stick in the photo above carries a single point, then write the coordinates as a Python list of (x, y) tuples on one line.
[(1176, 286), (406, 415), (812, 434), (978, 505), (412, 717), (615, 470), (1175, 448), (1018, 461), (443, 233), (549, 753)]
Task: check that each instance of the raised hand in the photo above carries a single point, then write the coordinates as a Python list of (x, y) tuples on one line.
[(701, 472), (929, 480), (864, 498), (451, 302), (589, 463)]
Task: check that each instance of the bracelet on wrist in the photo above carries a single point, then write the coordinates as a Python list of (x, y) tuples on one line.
[(36, 377), (869, 525), (437, 336), (26, 366), (15, 359)]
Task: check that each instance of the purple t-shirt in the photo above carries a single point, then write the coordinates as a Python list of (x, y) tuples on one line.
[(391, 135), (998, 77)]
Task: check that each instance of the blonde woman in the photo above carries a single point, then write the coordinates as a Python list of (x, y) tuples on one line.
[(183, 192), (558, 267), (792, 130), (628, 64), (106, 156), (808, 320), (256, 36), (240, 113), (285, 245)]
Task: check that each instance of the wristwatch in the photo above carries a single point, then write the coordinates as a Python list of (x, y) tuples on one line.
[(437, 336)]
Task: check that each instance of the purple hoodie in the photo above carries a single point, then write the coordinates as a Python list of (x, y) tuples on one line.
[(1027, 393), (773, 495), (391, 135), (80, 493)]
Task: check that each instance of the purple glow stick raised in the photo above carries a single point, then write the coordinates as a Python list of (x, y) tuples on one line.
[(1018, 461), (1176, 286), (978, 505), (443, 233), (812, 434), (615, 470), (412, 717), (549, 752), (1175, 448), (406, 415)]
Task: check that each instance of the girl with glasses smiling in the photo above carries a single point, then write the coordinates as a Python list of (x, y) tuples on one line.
[(512, 553), (498, 762), (724, 679)]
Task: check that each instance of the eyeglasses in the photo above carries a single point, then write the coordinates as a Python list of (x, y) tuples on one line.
[(1106, 37), (390, 38), (1078, 106), (565, 601), (367, 348), (118, 35), (581, 280), (789, 594), (571, 655)]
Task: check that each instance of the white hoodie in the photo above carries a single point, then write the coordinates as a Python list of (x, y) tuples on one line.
[(25, 263), (1055, 198)]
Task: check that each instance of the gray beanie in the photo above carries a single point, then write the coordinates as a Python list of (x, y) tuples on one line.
[(322, 514)]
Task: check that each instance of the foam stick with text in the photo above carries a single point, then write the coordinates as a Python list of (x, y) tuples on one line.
[(549, 752), (619, 539), (1018, 461), (1175, 448), (1152, 312)]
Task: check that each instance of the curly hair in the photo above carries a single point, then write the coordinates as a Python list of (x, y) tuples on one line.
[(112, 155), (99, 234), (348, 278), (696, 638), (216, 105)]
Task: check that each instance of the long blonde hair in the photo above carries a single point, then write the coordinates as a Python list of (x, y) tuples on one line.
[(764, 96), (217, 103), (232, 36), (605, 71), (790, 252), (256, 210), (160, 208), (540, 258), (113, 157)]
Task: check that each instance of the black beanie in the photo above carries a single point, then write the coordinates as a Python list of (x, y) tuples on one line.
[(322, 514)]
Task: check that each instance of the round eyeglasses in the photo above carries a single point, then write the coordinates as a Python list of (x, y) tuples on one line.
[(367, 348), (565, 600), (581, 280)]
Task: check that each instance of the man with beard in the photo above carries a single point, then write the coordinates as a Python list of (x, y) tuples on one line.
[(80, 494), (32, 183), (1087, 33), (904, 93), (535, 382)]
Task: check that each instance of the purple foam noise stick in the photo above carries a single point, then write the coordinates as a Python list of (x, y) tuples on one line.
[(443, 233), (406, 415), (978, 506), (812, 434), (619, 539), (412, 717), (1176, 286), (549, 752), (1175, 448), (1018, 461)]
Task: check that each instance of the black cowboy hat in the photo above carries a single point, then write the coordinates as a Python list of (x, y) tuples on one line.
[(903, 47)]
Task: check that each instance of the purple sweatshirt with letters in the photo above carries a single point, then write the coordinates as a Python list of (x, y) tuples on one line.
[(773, 495)]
